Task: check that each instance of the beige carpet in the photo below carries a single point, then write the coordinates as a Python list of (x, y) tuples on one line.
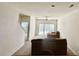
[(26, 50)]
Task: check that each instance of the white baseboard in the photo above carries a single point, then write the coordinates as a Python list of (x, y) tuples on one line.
[(73, 51), (14, 50)]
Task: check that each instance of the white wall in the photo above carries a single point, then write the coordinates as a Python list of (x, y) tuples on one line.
[(69, 28), (32, 28), (11, 34)]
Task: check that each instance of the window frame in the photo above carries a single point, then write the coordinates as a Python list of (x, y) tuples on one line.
[(39, 21)]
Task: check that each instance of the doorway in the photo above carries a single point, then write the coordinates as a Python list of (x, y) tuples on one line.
[(25, 25)]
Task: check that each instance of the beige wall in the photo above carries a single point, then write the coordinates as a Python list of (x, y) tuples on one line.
[(69, 28), (11, 34)]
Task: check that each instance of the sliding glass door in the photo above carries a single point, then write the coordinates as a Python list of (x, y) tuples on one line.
[(45, 28)]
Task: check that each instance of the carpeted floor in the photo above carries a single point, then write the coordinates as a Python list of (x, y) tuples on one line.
[(26, 50)]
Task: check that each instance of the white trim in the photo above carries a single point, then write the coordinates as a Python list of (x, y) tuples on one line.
[(73, 51), (14, 50)]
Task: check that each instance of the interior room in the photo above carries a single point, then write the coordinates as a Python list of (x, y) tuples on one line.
[(39, 28)]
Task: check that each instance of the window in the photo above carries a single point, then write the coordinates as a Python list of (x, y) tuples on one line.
[(41, 29), (45, 28), (49, 28), (24, 25)]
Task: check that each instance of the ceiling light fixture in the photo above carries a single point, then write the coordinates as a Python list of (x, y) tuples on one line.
[(52, 5), (71, 5)]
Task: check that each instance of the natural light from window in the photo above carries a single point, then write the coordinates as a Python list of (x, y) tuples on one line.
[(45, 28), (24, 25)]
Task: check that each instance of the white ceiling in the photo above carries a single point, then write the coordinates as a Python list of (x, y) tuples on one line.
[(45, 9)]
